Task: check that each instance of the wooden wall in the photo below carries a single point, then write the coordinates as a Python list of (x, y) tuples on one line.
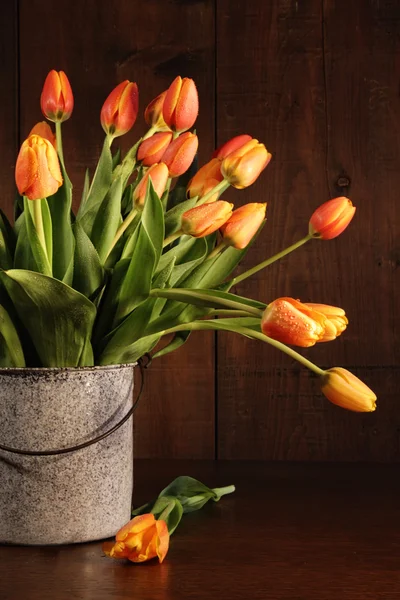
[(318, 82)]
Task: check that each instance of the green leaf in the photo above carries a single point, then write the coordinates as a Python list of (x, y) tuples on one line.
[(193, 494), (7, 243), (170, 510), (88, 272), (131, 353), (59, 319), (86, 186), (43, 265), (173, 218), (126, 168), (116, 159), (11, 352), (179, 339), (23, 258), (107, 221)]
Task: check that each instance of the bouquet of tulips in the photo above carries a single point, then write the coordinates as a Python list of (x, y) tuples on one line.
[(152, 249)]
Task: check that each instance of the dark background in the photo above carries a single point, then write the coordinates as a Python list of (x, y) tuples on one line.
[(318, 82)]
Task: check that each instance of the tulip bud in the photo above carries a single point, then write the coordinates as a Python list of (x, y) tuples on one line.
[(231, 145), (44, 130), (37, 171), (159, 177), (345, 389), (242, 166), (120, 109), (207, 177), (151, 150), (205, 219), (336, 319), (180, 154), (292, 322), (244, 223), (331, 218), (143, 538), (57, 100), (181, 104), (153, 115)]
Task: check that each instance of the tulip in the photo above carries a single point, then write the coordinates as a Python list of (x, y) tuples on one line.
[(181, 104), (151, 150), (345, 389), (143, 538), (44, 130), (180, 154), (159, 177), (57, 100), (153, 115), (230, 146), (37, 171), (331, 218), (120, 109), (206, 178), (205, 219), (292, 322), (336, 319), (242, 166), (244, 223)]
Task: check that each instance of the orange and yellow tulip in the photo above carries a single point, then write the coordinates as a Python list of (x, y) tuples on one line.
[(37, 171), (231, 145), (241, 167), (142, 539), (331, 218), (345, 389), (120, 109), (181, 104), (57, 100), (153, 114), (205, 219), (159, 177), (180, 154), (296, 323), (45, 131), (206, 178), (244, 223), (336, 319), (151, 150)]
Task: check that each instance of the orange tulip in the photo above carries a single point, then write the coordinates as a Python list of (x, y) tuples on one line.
[(292, 322), (45, 131), (244, 223), (180, 154), (205, 219), (120, 109), (336, 319), (151, 150), (159, 177), (345, 389), (331, 218), (143, 538), (37, 172), (231, 145), (153, 114), (207, 177), (242, 166), (181, 104), (57, 100)]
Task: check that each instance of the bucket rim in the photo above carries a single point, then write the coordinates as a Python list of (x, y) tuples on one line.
[(38, 370)]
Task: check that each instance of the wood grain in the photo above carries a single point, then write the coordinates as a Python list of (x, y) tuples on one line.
[(289, 532), (318, 82)]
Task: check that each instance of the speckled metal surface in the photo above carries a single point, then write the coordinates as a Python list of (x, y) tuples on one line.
[(76, 497)]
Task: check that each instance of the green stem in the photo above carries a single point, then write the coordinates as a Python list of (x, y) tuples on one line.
[(175, 135), (38, 219), (149, 133), (222, 491), (121, 230), (269, 261), (171, 238), (224, 312), (216, 250), (197, 298), (220, 188), (59, 143)]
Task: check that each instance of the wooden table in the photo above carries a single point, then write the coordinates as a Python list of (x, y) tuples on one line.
[(290, 531)]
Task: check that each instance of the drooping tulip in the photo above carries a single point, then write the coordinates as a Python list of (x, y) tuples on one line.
[(159, 178), (244, 223), (151, 150), (37, 171), (181, 104), (345, 389), (331, 218), (153, 114), (231, 145), (205, 219), (57, 100), (120, 109), (242, 166), (142, 539), (45, 131), (207, 177), (180, 154)]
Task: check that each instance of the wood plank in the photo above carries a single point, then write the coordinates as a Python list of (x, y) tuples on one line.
[(318, 83), (9, 103), (99, 44)]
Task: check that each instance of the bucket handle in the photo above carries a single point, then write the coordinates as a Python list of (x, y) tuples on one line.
[(98, 438)]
